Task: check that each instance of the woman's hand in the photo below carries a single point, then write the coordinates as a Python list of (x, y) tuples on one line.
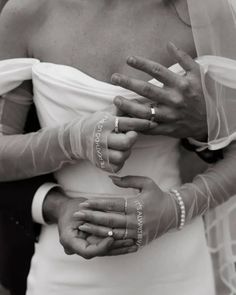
[(106, 140), (179, 106), (143, 218), (83, 244)]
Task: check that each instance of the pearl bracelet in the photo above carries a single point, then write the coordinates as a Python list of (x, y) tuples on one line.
[(181, 205)]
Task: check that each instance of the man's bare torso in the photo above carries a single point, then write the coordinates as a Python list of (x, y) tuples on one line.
[(97, 36)]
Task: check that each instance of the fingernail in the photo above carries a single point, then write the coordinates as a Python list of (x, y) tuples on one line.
[(117, 101), (115, 78), (131, 60), (153, 124), (79, 214)]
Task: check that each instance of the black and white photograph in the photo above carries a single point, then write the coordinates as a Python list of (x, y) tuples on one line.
[(117, 147)]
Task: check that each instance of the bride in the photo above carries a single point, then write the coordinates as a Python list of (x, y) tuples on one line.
[(71, 48)]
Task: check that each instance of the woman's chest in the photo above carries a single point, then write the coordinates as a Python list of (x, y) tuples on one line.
[(99, 42)]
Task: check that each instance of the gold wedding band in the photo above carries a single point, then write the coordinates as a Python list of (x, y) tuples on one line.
[(116, 125), (153, 114)]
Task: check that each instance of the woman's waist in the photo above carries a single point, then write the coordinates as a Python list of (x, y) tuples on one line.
[(84, 177)]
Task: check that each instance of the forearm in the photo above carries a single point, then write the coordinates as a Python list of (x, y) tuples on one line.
[(213, 187), (33, 154)]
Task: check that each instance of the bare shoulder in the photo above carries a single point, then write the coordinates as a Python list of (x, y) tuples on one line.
[(17, 23)]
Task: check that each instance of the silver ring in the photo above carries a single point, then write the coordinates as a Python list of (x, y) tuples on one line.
[(125, 234), (116, 125), (125, 207), (153, 114), (110, 233)]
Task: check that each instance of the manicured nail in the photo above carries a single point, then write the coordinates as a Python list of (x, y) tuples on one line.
[(131, 60), (115, 78), (117, 101)]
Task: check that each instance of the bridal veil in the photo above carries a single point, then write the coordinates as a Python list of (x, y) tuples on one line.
[(214, 28)]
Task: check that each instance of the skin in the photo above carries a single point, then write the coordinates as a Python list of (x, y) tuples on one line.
[(67, 32)]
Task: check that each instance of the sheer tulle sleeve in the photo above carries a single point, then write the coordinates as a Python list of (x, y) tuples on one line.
[(45, 151), (213, 25), (216, 188)]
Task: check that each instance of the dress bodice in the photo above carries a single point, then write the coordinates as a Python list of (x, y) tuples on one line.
[(62, 93), (177, 263)]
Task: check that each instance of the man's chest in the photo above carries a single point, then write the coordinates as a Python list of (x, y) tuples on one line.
[(99, 44)]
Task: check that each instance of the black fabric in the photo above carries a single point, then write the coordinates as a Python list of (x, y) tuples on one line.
[(17, 230), (206, 155)]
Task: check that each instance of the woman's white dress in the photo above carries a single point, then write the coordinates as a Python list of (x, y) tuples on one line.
[(178, 263)]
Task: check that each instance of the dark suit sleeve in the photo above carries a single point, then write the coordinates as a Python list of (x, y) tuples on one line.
[(16, 200)]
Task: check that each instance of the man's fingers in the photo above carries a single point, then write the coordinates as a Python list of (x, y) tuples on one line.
[(111, 220), (145, 89), (122, 141), (133, 108), (163, 113), (184, 59), (123, 251), (154, 69), (133, 124)]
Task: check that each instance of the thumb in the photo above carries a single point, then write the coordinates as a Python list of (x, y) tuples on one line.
[(136, 182)]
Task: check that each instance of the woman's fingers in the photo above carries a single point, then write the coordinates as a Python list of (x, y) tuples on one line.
[(103, 231), (136, 182), (118, 157), (111, 220), (105, 204), (163, 113), (123, 251), (184, 59), (154, 69), (122, 141), (134, 124)]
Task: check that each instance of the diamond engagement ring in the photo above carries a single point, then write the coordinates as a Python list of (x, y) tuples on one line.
[(110, 233)]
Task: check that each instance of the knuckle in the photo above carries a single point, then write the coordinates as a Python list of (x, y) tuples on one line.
[(147, 90), (184, 84), (156, 70)]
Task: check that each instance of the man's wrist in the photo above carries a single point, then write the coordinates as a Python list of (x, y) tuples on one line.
[(53, 204)]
